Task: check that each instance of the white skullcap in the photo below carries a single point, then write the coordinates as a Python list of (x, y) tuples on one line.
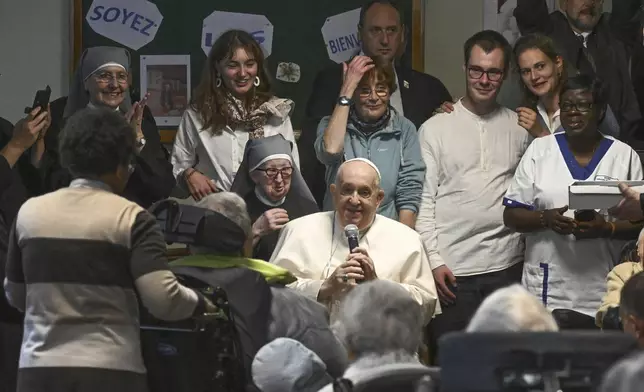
[(368, 162)]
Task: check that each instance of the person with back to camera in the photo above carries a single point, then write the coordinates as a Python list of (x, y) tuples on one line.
[(365, 125), (232, 104), (79, 260), (569, 253), (103, 80)]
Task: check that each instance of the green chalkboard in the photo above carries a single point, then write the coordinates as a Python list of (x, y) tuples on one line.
[(297, 37)]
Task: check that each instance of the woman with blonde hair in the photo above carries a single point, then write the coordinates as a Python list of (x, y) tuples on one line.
[(232, 104)]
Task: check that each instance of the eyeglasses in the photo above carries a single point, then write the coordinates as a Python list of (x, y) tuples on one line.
[(365, 92), (582, 107), (108, 77), (493, 75), (272, 173)]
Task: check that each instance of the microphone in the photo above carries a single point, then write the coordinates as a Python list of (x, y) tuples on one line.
[(351, 231)]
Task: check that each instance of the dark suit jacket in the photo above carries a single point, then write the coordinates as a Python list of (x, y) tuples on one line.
[(13, 193), (421, 94), (151, 181), (604, 44)]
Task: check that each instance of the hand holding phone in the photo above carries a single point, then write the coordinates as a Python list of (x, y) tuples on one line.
[(41, 100)]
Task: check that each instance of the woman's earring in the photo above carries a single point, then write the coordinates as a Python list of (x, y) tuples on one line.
[(218, 81), (257, 81)]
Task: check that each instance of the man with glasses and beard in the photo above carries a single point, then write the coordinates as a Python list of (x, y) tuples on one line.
[(593, 44), (471, 155)]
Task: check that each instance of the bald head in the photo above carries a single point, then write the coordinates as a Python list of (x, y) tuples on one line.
[(359, 167)]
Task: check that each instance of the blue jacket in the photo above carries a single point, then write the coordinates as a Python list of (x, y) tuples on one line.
[(395, 150)]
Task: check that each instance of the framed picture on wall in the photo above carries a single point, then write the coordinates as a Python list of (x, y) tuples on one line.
[(498, 15), (166, 80)]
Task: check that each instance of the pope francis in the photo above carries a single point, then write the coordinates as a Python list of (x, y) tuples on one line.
[(315, 249)]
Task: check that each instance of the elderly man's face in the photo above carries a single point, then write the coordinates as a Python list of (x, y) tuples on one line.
[(274, 178), (108, 86), (583, 15), (356, 194)]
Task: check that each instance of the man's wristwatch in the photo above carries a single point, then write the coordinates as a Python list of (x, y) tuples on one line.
[(344, 101), (140, 143)]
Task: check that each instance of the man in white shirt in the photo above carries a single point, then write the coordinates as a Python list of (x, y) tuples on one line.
[(471, 155), (315, 248)]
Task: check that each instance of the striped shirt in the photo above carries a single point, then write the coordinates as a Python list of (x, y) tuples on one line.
[(77, 259)]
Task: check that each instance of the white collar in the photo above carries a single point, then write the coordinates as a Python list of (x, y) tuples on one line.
[(88, 183), (92, 106), (265, 200)]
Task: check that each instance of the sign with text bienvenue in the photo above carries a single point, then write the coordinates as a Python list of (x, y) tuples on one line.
[(340, 34), (217, 23), (132, 23)]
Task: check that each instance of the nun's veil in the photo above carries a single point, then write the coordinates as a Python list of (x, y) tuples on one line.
[(261, 150), (91, 61)]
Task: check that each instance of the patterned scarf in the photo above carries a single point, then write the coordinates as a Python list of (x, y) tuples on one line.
[(257, 115), (369, 127)]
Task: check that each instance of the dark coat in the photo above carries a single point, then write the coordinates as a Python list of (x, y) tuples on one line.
[(604, 45), (151, 181)]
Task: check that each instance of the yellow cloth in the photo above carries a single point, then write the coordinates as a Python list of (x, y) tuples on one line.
[(270, 272), (614, 283), (312, 247)]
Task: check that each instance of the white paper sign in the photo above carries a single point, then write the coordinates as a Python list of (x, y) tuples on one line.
[(132, 23), (219, 22), (340, 34)]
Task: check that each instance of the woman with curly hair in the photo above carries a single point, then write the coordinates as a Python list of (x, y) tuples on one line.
[(233, 103)]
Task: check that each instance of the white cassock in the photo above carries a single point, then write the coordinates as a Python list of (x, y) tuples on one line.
[(566, 273), (312, 247)]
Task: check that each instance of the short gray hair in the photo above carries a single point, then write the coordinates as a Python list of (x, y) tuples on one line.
[(512, 309), (379, 317), (230, 205)]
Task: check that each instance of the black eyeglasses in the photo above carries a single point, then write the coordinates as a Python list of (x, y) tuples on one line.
[(286, 172), (492, 74), (583, 107)]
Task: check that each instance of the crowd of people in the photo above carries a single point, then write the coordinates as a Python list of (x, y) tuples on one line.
[(401, 214)]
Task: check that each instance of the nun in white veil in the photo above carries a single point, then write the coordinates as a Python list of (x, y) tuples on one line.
[(274, 190), (102, 79)]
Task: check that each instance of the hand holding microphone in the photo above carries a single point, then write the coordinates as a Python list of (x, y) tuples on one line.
[(356, 253)]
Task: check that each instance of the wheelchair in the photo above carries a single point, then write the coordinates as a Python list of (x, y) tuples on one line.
[(196, 355)]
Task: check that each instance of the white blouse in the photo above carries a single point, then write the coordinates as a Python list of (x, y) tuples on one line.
[(218, 156)]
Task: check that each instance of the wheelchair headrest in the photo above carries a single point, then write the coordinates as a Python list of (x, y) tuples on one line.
[(190, 225)]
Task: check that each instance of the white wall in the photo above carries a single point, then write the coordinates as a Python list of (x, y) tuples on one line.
[(34, 52)]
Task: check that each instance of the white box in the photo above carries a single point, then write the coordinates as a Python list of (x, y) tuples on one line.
[(598, 195)]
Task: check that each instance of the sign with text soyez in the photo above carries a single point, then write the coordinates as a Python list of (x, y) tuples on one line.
[(340, 34), (132, 23), (219, 22)]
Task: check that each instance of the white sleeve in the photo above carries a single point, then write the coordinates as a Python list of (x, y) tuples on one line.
[(287, 254), (635, 171), (426, 219), (521, 191), (287, 131), (185, 143)]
